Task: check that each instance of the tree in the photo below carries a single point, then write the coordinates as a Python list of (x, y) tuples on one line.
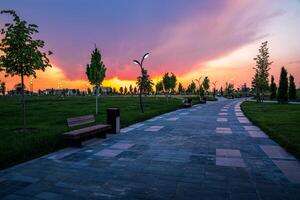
[(193, 87), (95, 72), (229, 89), (180, 88), (166, 83), (173, 82), (22, 53), (206, 84), (282, 96), (2, 88), (89, 91), (125, 90), (144, 82), (273, 88), (221, 91), (292, 88), (159, 87), (121, 90), (135, 90), (214, 89), (130, 90), (260, 80)]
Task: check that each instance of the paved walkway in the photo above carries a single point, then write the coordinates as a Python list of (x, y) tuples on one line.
[(206, 152)]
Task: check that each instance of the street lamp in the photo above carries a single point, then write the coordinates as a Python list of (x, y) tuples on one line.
[(141, 66)]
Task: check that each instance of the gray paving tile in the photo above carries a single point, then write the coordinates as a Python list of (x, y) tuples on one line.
[(108, 152), (278, 152), (230, 162), (291, 169), (257, 134), (228, 153)]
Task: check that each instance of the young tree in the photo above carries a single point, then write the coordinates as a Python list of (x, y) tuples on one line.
[(130, 89), (135, 90), (144, 82), (206, 84), (260, 80), (292, 88), (125, 90), (221, 91), (95, 72), (3, 88), (167, 84), (180, 88), (282, 96), (159, 87), (273, 88), (22, 55), (121, 90), (173, 82), (193, 87), (214, 89)]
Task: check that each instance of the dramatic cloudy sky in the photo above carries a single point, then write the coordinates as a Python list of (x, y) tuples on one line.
[(190, 38)]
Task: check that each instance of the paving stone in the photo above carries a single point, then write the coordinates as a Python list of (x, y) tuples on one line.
[(257, 134), (125, 130), (230, 162), (49, 196), (109, 152), (273, 151), (121, 145), (223, 130), (184, 113), (291, 169), (223, 114), (251, 128), (228, 153), (172, 119), (220, 119), (154, 128)]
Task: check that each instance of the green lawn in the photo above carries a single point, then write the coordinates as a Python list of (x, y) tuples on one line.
[(280, 121), (47, 116)]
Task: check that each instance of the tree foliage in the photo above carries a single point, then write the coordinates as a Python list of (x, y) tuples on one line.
[(2, 88), (282, 96), (95, 72), (292, 88), (159, 87), (273, 88), (206, 84), (144, 82), (22, 55), (260, 81), (180, 88)]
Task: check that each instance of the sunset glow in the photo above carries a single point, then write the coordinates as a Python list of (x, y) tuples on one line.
[(218, 39)]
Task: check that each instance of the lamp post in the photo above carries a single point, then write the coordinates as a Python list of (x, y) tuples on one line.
[(141, 66)]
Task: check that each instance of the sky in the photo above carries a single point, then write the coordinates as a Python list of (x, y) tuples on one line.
[(192, 39)]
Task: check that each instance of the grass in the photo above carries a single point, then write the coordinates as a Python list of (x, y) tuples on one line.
[(47, 115), (279, 121)]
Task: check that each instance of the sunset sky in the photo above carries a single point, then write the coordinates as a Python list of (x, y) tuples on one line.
[(191, 38)]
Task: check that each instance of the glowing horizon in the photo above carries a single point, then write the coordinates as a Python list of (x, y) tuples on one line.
[(218, 39)]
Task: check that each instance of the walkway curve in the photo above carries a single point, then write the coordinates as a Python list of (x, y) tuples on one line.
[(209, 151)]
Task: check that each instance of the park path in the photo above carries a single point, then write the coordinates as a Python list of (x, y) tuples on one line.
[(208, 151)]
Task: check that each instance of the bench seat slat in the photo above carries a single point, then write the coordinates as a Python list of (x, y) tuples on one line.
[(85, 131), (76, 121)]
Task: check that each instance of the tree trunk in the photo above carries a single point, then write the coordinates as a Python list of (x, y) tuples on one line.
[(23, 101), (97, 93)]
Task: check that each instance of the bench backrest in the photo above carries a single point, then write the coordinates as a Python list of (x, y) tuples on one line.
[(76, 121)]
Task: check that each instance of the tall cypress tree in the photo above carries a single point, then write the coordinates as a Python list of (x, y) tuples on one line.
[(292, 88), (260, 80), (283, 87), (273, 88)]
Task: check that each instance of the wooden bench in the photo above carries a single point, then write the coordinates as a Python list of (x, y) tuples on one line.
[(75, 137), (187, 102)]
